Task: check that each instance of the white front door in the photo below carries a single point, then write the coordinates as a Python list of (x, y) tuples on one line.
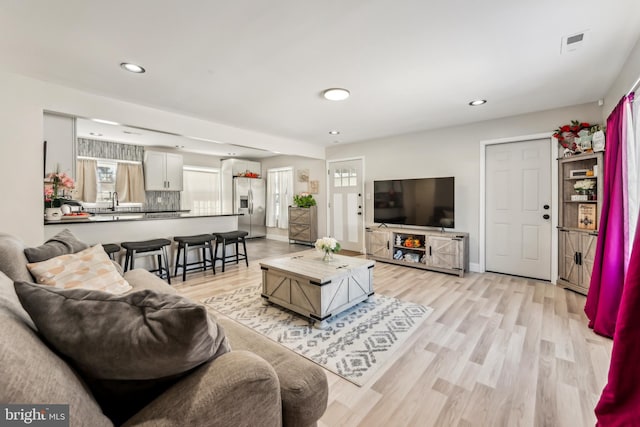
[(518, 208), (346, 209)]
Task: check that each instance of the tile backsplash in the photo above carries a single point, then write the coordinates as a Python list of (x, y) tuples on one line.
[(169, 200)]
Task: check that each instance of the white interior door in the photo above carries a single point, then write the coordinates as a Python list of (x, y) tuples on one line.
[(346, 210), (518, 208)]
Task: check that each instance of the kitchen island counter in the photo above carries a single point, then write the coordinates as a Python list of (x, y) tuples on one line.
[(131, 226), (133, 216)]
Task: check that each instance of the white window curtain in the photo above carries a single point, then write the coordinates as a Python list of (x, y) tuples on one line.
[(201, 190), (279, 196), (86, 180), (130, 182)]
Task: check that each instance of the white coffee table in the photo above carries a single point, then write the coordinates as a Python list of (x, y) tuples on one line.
[(317, 289)]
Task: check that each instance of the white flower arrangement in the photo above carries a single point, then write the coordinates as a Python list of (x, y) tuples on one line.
[(327, 244), (585, 184)]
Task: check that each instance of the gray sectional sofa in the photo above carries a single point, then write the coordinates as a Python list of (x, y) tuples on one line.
[(257, 383)]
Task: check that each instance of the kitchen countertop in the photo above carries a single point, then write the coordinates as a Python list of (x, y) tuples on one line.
[(133, 216)]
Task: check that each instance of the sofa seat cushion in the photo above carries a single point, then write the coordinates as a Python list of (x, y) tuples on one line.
[(140, 279), (303, 384), (61, 244), (129, 348), (32, 373)]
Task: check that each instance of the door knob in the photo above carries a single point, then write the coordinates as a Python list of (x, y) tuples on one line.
[(546, 206), (546, 216)]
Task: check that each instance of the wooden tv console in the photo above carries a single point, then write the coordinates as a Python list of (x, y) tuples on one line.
[(443, 251)]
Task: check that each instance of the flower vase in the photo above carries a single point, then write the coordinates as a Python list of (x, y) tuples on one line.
[(328, 255)]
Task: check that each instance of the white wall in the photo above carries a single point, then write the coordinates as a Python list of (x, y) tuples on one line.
[(21, 122), (453, 151), (628, 76), (317, 172)]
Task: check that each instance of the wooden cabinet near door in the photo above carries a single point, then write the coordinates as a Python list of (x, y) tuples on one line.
[(577, 234), (577, 250), (303, 224)]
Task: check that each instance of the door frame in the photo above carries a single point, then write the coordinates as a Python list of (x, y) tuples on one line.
[(362, 186), (553, 253)]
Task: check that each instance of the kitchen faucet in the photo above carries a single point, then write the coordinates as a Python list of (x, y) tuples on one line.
[(114, 200)]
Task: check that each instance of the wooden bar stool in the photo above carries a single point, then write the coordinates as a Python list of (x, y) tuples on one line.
[(185, 243), (148, 248), (230, 238), (111, 249)]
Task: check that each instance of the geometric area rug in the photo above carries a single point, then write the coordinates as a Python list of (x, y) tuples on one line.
[(353, 345)]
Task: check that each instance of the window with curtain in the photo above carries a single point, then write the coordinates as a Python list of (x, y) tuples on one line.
[(201, 190), (86, 180), (130, 182), (279, 196)]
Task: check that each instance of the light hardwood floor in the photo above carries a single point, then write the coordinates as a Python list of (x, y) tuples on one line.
[(497, 351)]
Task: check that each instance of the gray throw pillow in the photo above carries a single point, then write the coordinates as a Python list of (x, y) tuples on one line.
[(136, 336), (129, 348), (62, 243)]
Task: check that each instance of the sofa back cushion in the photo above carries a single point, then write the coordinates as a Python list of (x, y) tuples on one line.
[(32, 373), (13, 262), (61, 244)]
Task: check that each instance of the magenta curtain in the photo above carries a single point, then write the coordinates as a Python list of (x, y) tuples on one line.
[(619, 403), (607, 278)]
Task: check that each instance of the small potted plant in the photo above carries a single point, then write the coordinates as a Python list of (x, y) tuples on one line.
[(304, 200)]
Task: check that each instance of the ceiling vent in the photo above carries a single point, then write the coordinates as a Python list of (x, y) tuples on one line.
[(573, 42)]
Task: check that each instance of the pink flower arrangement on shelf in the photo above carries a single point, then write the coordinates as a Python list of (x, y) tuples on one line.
[(55, 186)]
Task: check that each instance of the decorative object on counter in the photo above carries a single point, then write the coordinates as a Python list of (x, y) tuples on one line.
[(329, 246), (304, 200), (598, 140), (577, 137), (56, 186), (248, 174), (52, 214)]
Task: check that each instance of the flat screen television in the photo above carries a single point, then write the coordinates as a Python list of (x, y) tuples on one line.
[(425, 202)]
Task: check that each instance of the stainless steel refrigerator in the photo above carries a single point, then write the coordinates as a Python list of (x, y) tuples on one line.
[(249, 196)]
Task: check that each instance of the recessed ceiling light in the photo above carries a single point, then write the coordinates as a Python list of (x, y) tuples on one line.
[(477, 102), (231, 154), (334, 132), (336, 94), (134, 68), (106, 122), (95, 134), (179, 146)]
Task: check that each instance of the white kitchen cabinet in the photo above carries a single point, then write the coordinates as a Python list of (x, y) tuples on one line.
[(162, 171)]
